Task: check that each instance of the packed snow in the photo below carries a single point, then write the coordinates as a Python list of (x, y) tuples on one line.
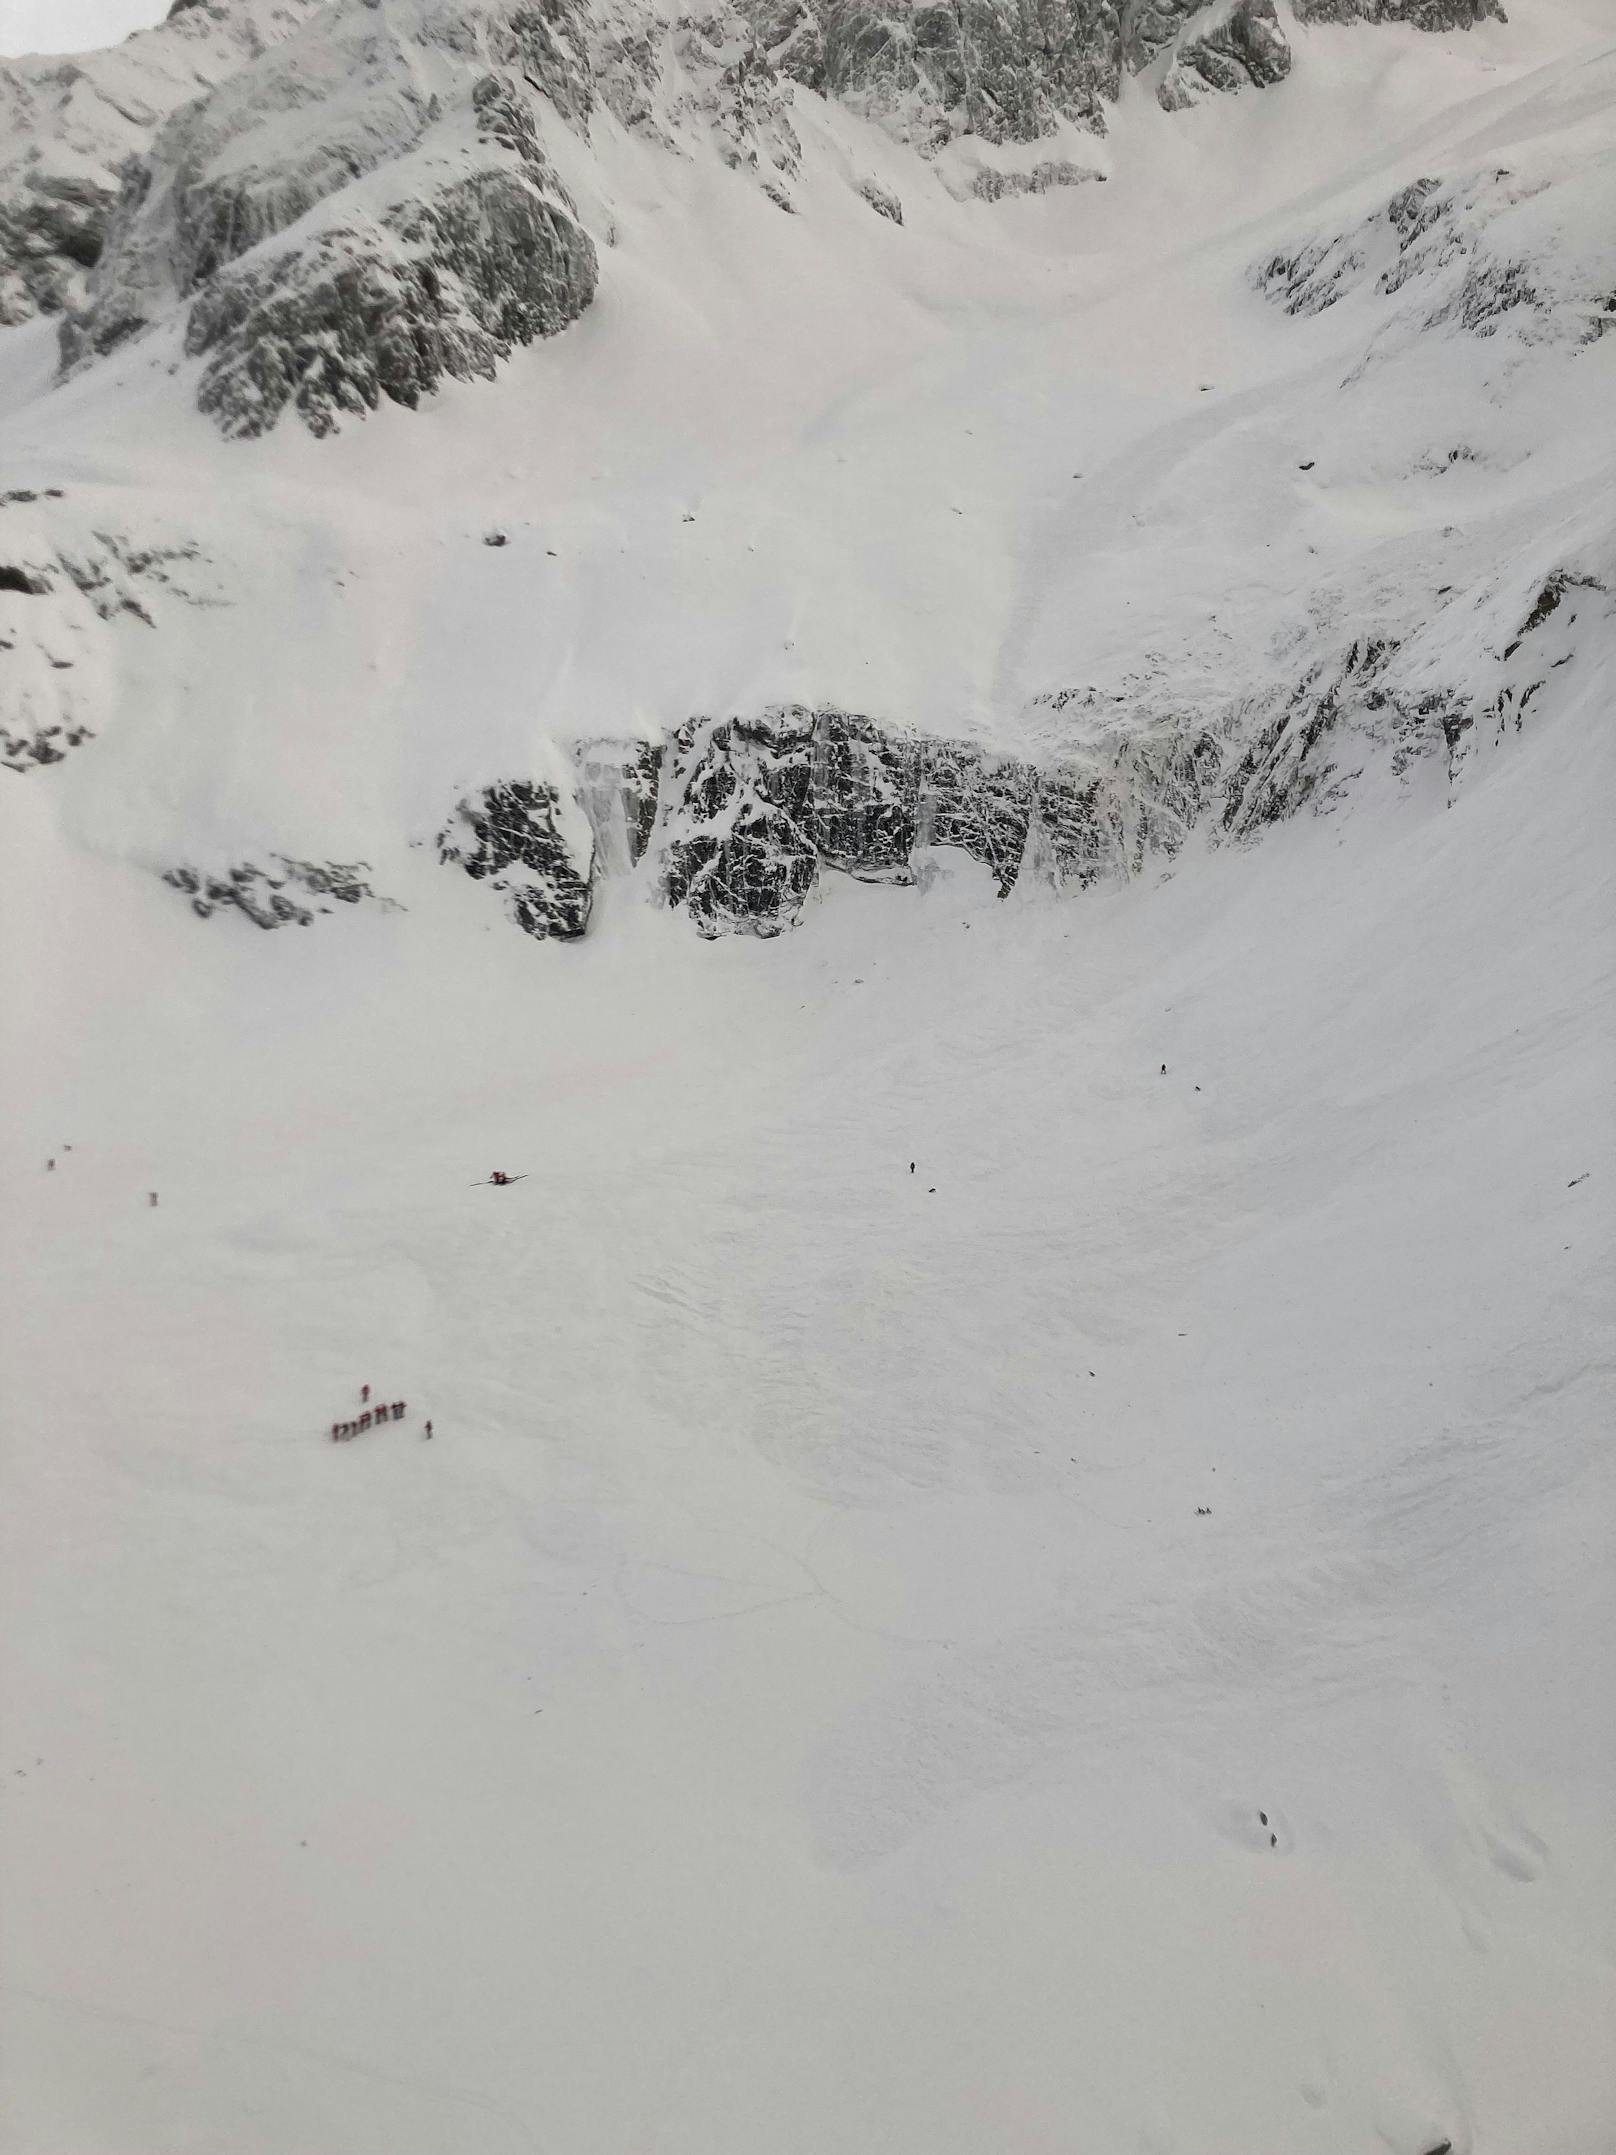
[(1015, 1545)]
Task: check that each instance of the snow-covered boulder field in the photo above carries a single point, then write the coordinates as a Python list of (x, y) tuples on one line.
[(928, 692)]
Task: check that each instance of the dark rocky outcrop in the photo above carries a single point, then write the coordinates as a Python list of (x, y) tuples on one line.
[(756, 809), (533, 847), (446, 275), (989, 184), (1233, 47), (740, 852), (23, 747), (882, 200), (1421, 14), (368, 209), (446, 289), (290, 894), (1005, 70), (52, 226), (863, 798)]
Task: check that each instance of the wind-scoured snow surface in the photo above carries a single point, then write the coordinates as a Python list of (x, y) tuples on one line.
[(969, 1591)]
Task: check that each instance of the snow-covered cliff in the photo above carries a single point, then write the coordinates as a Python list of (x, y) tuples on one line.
[(1044, 607), (405, 145)]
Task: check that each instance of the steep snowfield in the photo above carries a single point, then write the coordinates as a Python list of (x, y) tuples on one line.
[(794, 1702), (1099, 1642)]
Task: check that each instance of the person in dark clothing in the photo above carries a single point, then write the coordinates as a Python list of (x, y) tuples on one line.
[(429, 1429), (336, 1432)]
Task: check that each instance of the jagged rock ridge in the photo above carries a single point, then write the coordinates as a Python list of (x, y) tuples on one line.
[(357, 201)]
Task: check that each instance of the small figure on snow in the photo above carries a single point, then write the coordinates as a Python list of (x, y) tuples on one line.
[(336, 1432), (499, 1178), (151, 1197), (398, 1410), (364, 1393), (429, 1429), (50, 1167)]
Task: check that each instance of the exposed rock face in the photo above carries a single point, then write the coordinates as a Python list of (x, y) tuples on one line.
[(1233, 46), (397, 155), (69, 125), (1150, 26), (533, 847), (433, 238), (740, 852), (1006, 70), (739, 818), (450, 288), (1422, 14), (863, 798), (882, 200), (1461, 254), (755, 810), (991, 185), (274, 899), (1013, 70)]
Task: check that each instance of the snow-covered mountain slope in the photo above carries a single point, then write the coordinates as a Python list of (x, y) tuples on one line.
[(1100, 1641), (69, 127), (228, 124), (1015, 1550), (1055, 527)]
